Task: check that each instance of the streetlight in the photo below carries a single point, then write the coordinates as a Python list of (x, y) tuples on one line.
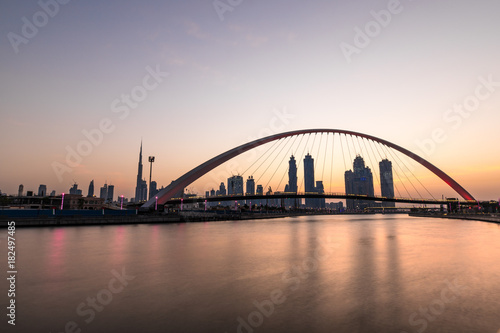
[(121, 205), (62, 201), (151, 160), (156, 203)]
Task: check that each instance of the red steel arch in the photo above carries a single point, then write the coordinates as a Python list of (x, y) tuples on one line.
[(189, 177)]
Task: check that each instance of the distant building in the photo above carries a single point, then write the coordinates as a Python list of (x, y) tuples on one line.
[(222, 189), (386, 182), (250, 186), (250, 189), (53, 193), (359, 181), (42, 190), (141, 188), (153, 188), (292, 187), (309, 180), (111, 193), (319, 202), (91, 189), (75, 190), (235, 185), (259, 191), (20, 191), (103, 194)]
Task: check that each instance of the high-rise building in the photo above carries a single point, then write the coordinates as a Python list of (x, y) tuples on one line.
[(75, 190), (91, 189), (20, 191), (386, 182), (141, 188), (53, 193), (111, 193), (235, 185), (309, 179), (291, 187), (42, 190), (222, 189), (250, 186), (359, 181), (320, 202), (153, 188), (104, 192)]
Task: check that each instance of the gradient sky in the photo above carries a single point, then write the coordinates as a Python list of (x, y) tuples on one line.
[(228, 78)]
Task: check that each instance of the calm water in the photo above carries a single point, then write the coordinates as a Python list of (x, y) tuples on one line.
[(305, 274)]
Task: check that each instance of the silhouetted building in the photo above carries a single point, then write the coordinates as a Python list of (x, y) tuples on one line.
[(309, 179), (153, 188), (235, 185), (319, 202), (359, 181), (110, 194), (42, 190), (104, 192), (91, 189), (53, 193), (20, 191), (75, 190), (386, 182), (222, 189), (291, 187), (141, 188), (250, 188)]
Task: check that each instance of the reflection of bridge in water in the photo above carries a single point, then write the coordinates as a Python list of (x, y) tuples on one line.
[(351, 144)]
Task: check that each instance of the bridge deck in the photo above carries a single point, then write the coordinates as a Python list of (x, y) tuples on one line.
[(316, 195)]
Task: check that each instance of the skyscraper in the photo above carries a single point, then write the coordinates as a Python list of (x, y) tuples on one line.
[(91, 189), (104, 192), (235, 185), (386, 182), (20, 191), (320, 202), (250, 185), (141, 188), (292, 183), (309, 179), (42, 190), (222, 189), (359, 181), (75, 190), (153, 188), (110, 194)]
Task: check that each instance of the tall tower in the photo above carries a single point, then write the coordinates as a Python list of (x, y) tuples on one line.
[(141, 186), (91, 189), (359, 181), (309, 179), (111, 193), (386, 182), (20, 191), (292, 175)]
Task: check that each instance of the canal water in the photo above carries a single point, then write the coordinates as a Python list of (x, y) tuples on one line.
[(377, 273)]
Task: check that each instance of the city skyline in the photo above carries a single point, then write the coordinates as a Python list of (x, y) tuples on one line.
[(432, 89)]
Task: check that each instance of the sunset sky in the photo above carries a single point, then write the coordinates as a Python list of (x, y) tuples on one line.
[(208, 76)]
